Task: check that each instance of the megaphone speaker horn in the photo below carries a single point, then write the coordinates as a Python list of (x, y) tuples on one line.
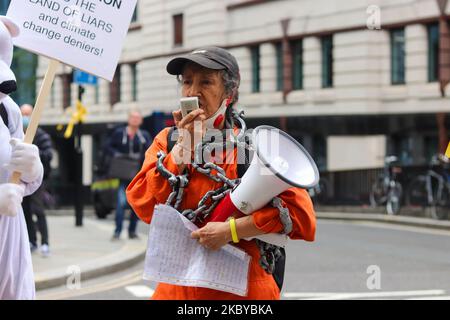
[(279, 163)]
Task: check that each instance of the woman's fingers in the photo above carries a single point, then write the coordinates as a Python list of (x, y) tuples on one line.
[(191, 117), (195, 234), (210, 236), (177, 116)]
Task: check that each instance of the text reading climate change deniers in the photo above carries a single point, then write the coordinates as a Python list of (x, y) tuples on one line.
[(81, 23)]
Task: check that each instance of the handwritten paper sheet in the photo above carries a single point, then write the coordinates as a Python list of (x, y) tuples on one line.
[(174, 257)]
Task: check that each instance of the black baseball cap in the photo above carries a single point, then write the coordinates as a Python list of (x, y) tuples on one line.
[(209, 57)]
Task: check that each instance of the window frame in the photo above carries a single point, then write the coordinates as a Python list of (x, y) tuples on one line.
[(398, 59), (433, 52), (178, 29), (327, 61), (279, 66), (256, 68), (134, 82), (296, 47)]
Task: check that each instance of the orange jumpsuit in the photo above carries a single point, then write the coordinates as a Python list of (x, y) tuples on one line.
[(149, 187)]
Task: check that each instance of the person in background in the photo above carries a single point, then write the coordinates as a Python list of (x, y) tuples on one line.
[(34, 205), (133, 141)]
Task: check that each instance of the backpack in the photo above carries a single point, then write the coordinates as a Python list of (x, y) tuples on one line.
[(4, 115), (278, 273)]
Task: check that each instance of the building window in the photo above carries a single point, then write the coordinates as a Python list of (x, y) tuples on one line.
[(398, 56), (256, 69), (327, 62), (404, 147), (4, 4), (114, 92), (431, 145), (178, 30), (134, 82), (297, 64), (320, 151), (433, 52), (280, 66), (135, 14)]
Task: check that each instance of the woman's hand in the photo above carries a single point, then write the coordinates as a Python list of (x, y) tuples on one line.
[(214, 235), (191, 130)]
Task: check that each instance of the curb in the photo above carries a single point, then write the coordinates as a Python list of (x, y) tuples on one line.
[(110, 264), (129, 255), (399, 220)]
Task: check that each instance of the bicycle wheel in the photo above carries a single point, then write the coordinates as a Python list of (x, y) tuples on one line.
[(377, 194), (417, 192), (394, 198), (440, 209)]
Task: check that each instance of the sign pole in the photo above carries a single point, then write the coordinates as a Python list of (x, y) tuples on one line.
[(38, 108), (79, 197)]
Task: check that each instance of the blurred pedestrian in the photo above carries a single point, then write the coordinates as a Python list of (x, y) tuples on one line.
[(126, 147), (34, 205)]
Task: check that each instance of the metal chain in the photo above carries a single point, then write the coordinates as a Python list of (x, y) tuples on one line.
[(178, 183), (284, 215), (269, 253)]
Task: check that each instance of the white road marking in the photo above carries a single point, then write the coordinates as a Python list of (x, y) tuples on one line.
[(385, 225), (96, 288), (431, 298), (361, 295), (298, 295), (140, 291)]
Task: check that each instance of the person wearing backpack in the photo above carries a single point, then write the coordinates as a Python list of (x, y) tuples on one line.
[(34, 205), (212, 75)]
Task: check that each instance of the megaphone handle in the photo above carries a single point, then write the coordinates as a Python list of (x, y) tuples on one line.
[(224, 209)]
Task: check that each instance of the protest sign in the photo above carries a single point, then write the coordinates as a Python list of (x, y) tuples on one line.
[(85, 34)]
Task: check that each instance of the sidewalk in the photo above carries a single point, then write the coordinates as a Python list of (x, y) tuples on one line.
[(414, 218), (87, 249)]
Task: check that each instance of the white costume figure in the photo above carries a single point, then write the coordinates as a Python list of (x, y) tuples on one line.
[(16, 270)]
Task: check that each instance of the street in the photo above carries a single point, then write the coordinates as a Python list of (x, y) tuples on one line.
[(348, 260)]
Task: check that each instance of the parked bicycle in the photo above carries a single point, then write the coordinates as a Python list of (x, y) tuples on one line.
[(387, 190), (432, 189)]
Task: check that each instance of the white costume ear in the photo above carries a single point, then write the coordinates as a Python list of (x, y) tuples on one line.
[(12, 27)]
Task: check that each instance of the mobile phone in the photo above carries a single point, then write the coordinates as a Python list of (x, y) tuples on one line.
[(188, 105)]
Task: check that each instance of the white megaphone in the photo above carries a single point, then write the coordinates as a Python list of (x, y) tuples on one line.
[(279, 163)]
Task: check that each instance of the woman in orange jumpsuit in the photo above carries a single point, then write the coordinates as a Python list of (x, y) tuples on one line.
[(212, 75)]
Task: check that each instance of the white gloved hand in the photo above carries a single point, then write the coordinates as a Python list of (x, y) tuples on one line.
[(25, 160), (11, 196)]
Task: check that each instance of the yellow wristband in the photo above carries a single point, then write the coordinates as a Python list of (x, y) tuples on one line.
[(234, 235)]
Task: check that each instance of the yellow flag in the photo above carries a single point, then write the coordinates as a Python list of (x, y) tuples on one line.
[(78, 116), (447, 153)]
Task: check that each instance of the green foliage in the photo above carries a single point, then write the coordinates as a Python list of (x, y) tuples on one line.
[(24, 67)]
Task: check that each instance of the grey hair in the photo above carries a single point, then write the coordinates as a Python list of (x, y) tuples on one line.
[(231, 84)]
